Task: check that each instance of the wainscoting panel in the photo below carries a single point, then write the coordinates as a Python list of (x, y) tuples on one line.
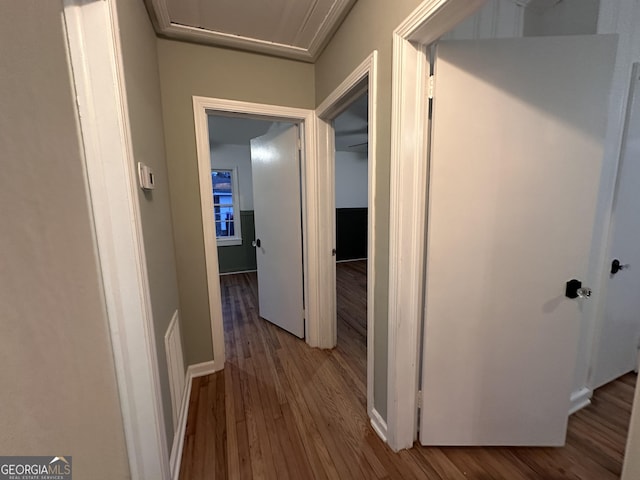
[(175, 362)]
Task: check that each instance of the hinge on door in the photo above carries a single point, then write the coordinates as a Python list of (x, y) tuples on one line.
[(299, 145), (419, 399), (431, 86)]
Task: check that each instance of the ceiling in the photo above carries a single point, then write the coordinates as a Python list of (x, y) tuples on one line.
[(235, 130), (297, 29), (350, 128)]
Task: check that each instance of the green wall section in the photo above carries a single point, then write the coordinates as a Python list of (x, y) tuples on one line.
[(240, 258)]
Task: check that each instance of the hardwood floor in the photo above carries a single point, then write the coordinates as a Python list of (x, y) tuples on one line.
[(281, 410)]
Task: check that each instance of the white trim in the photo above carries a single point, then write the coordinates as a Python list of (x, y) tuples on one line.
[(407, 223), (179, 432), (236, 273), (351, 260), (378, 424), (96, 60), (314, 277), (337, 101), (175, 364), (580, 399), (164, 26), (197, 370), (204, 368)]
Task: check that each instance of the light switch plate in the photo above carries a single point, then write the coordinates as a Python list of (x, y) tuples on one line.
[(146, 177)]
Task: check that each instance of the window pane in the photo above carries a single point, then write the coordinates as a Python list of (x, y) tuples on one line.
[(221, 181), (225, 229), (223, 208)]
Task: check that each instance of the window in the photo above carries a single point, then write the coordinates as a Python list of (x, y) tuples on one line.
[(226, 209)]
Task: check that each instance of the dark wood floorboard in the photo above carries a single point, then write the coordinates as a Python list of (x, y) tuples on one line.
[(282, 410)]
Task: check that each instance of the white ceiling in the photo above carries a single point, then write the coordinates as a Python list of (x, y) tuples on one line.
[(351, 126), (235, 130), (296, 29)]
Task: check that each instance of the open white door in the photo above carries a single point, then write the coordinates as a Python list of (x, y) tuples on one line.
[(617, 345), (275, 168), (516, 158)]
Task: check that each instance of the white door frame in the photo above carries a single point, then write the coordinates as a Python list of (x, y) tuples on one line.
[(104, 130), (314, 275), (407, 224), (363, 78)]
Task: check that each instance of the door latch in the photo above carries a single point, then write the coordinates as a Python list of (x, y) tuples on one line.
[(575, 289)]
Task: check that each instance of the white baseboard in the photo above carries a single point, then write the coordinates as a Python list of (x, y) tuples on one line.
[(351, 260), (378, 424), (194, 371), (580, 399), (202, 369), (236, 273)]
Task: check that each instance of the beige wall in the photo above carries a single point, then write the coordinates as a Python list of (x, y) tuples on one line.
[(186, 70), (369, 26), (140, 59), (59, 393)]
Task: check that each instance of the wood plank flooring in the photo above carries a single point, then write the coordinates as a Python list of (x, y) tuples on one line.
[(281, 410)]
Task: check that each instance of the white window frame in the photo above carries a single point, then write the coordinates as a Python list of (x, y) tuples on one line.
[(236, 239)]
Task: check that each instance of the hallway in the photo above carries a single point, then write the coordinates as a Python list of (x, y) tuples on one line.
[(283, 410)]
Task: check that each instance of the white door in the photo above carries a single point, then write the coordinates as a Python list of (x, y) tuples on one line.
[(617, 344), (516, 156), (275, 168)]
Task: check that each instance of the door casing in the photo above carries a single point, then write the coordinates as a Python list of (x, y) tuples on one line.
[(315, 276)]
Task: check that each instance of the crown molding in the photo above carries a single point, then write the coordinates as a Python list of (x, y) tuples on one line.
[(160, 17)]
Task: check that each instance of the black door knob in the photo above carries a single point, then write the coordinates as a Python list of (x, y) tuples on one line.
[(616, 266)]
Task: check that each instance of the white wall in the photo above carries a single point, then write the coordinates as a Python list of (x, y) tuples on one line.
[(351, 180), (236, 156)]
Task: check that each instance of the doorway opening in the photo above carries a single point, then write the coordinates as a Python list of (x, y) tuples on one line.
[(255, 176), (351, 233), (288, 144), (257, 213), (357, 94)]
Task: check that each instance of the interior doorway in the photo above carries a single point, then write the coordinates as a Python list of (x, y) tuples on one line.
[(361, 84), (410, 41), (257, 211), (351, 233), (302, 122)]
